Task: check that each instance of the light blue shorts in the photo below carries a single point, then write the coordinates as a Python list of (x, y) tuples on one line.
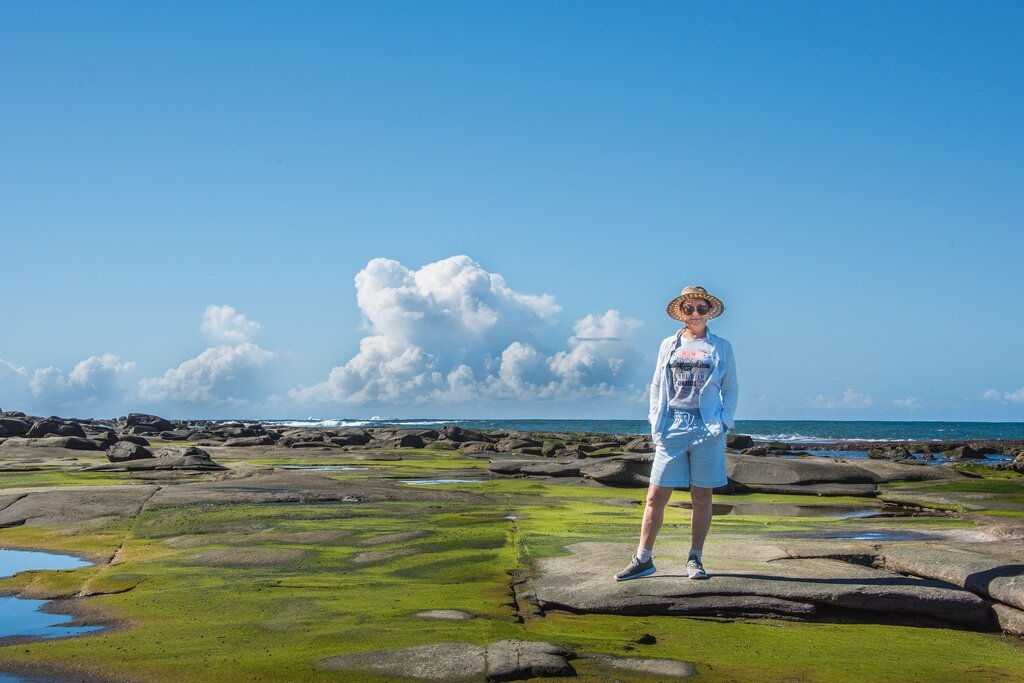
[(688, 455)]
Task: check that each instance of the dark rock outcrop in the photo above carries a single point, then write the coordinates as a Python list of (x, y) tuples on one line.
[(123, 451)]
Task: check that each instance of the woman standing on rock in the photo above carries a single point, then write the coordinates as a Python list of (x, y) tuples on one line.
[(693, 404)]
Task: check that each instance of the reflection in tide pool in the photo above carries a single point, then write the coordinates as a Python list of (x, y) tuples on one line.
[(14, 561), (20, 617), (25, 618), (429, 482)]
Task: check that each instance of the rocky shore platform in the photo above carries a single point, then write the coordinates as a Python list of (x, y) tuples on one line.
[(241, 551)]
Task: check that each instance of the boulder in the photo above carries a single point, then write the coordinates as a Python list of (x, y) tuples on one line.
[(402, 441), (356, 438), (142, 429), (461, 435), (60, 428), (155, 423), (1016, 466), (123, 451), (535, 468), (624, 471), (738, 442), (181, 434), (134, 438), (964, 452), (641, 445), (14, 426), (890, 453), (478, 446)]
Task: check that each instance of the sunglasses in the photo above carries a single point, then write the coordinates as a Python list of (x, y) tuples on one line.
[(700, 308)]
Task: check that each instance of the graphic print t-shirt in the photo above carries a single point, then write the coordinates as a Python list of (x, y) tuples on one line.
[(690, 369)]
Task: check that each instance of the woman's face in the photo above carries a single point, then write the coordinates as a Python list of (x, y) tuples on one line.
[(695, 312)]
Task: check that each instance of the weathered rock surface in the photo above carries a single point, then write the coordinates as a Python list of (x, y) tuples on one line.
[(152, 422), (747, 469), (994, 570), (503, 660), (69, 507), (670, 668), (123, 451), (746, 583)]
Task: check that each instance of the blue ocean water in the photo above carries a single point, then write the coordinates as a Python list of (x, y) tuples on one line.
[(775, 430)]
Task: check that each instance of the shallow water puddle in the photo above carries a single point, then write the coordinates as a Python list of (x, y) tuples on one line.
[(790, 510), (22, 617), (14, 561), (321, 467), (431, 482)]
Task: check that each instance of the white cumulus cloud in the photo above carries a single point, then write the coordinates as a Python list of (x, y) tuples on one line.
[(454, 332), (227, 367), (223, 325), (92, 379)]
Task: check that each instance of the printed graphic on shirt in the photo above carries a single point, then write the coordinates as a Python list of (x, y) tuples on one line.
[(691, 368)]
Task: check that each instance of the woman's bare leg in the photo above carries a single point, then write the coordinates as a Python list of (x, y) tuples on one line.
[(654, 514), (700, 522)]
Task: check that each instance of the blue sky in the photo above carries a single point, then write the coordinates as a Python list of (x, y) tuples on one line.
[(189, 191)]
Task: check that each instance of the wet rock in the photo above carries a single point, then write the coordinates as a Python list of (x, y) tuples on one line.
[(890, 453), (738, 442), (152, 422), (504, 660), (963, 453), (123, 451), (1016, 466)]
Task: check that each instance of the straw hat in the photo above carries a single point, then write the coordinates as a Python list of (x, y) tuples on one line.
[(695, 292)]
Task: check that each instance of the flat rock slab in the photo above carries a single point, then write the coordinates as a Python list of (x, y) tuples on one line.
[(445, 614), (747, 582), (766, 470), (669, 668), (994, 569), (964, 501), (503, 660), (67, 506), (250, 557)]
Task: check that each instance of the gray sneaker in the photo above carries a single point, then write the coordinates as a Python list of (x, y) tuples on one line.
[(694, 568), (636, 569)]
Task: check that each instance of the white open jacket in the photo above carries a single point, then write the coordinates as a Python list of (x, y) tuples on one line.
[(717, 397)]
